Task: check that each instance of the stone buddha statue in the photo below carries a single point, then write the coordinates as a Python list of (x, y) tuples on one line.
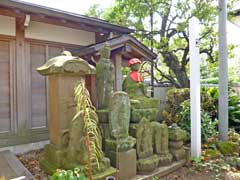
[(141, 104)]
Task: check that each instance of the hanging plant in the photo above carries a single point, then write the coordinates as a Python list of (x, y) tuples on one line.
[(91, 129)]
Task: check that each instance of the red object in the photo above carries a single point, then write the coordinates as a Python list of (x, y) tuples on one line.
[(136, 76), (133, 61)]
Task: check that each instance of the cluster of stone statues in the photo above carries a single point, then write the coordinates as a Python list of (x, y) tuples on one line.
[(132, 139)]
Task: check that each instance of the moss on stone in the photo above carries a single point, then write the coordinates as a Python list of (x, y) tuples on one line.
[(212, 154), (228, 148)]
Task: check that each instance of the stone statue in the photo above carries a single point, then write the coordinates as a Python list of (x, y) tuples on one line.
[(133, 84), (141, 104), (104, 78), (119, 119)]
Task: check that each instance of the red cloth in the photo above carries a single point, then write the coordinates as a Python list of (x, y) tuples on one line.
[(136, 76), (133, 61)]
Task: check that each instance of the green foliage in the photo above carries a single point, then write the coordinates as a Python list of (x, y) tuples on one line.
[(228, 148), (169, 32), (234, 112), (174, 98), (76, 174), (208, 126), (92, 132)]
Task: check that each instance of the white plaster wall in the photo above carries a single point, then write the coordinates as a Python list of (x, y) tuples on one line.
[(48, 32), (7, 25)]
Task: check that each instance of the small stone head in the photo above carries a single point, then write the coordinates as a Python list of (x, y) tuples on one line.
[(105, 51), (134, 64)]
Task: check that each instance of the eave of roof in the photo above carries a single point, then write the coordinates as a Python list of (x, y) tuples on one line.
[(116, 41), (34, 8)]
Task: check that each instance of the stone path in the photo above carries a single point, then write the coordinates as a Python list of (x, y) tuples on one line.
[(12, 168)]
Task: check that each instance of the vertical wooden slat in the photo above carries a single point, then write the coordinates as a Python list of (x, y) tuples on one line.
[(13, 103), (28, 84), (22, 91), (118, 72)]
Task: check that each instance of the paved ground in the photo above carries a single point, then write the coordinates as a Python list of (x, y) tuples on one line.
[(11, 167)]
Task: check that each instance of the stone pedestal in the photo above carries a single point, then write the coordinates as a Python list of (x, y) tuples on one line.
[(176, 137), (126, 163)]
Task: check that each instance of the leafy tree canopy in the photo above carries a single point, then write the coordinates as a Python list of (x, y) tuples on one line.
[(169, 32)]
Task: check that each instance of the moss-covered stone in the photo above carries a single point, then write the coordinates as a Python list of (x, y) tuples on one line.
[(119, 115), (102, 115), (176, 133), (137, 114), (148, 164), (66, 64), (178, 154), (104, 78), (123, 144), (228, 148)]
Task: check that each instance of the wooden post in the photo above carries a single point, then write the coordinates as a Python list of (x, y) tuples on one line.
[(22, 77), (195, 88), (118, 72)]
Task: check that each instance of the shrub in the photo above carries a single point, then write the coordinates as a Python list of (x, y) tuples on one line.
[(208, 126), (174, 98)]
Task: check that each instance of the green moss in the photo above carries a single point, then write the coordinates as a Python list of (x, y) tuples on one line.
[(212, 154), (228, 148)]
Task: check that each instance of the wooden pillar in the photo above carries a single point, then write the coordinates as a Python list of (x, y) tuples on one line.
[(118, 72), (22, 81)]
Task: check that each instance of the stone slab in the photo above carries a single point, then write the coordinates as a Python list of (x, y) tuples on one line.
[(127, 164), (160, 171), (11, 167)]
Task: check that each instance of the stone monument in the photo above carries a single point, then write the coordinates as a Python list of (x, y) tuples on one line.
[(67, 148), (118, 144)]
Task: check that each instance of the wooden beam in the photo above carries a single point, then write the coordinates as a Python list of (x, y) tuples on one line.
[(118, 72)]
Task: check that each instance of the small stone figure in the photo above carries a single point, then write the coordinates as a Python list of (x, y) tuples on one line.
[(160, 141), (104, 78), (176, 137)]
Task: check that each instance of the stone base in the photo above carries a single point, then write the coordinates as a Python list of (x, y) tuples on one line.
[(124, 144), (148, 164), (138, 114), (165, 159), (55, 158), (178, 154), (127, 163)]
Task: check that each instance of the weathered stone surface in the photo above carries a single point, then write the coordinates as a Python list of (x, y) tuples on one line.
[(148, 164), (178, 154), (176, 133), (176, 144), (103, 115), (149, 113), (66, 64), (165, 159), (104, 78), (123, 144), (119, 115), (143, 134), (160, 138), (127, 163)]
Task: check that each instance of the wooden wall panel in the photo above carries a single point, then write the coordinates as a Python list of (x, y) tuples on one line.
[(38, 87), (5, 106)]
